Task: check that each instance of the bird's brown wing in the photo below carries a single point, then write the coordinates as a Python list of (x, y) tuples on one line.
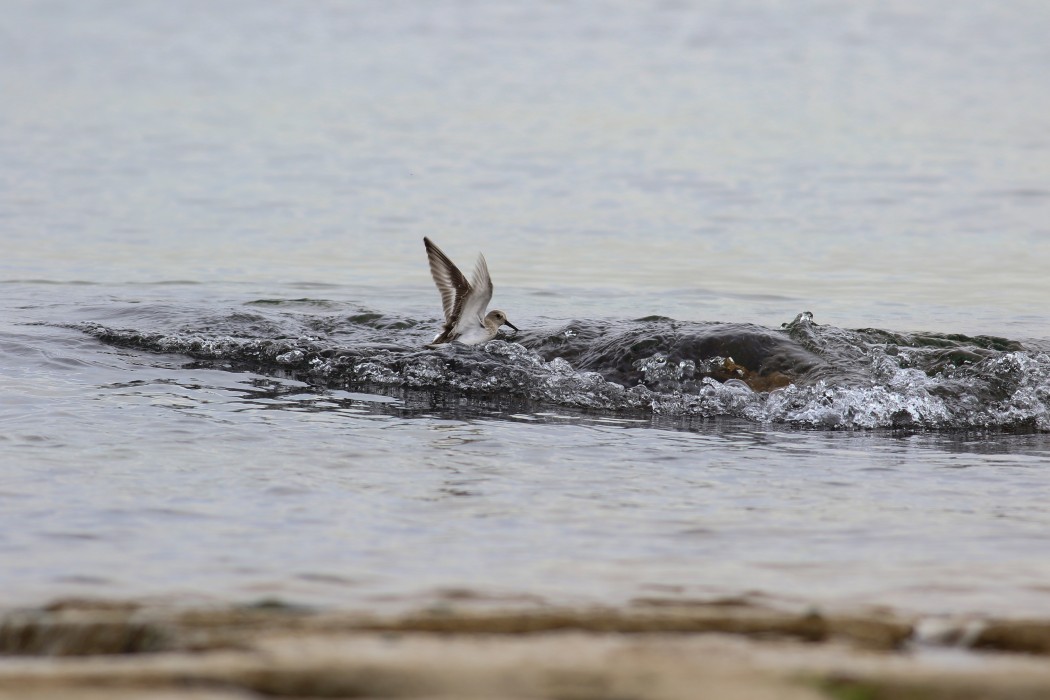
[(452, 285)]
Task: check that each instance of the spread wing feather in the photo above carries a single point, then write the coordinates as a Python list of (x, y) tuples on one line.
[(477, 298), (451, 283)]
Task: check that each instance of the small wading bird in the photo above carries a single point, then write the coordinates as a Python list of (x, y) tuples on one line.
[(464, 302)]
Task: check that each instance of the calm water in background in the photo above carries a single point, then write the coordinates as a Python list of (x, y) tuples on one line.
[(166, 165)]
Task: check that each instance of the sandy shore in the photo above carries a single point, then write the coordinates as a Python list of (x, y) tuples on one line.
[(654, 651)]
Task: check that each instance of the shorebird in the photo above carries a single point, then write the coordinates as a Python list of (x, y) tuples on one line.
[(464, 302)]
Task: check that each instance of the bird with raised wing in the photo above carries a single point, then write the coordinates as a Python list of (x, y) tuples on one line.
[(464, 302)]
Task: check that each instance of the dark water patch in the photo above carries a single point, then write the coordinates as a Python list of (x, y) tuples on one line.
[(1020, 193), (802, 374), (381, 322), (304, 302), (660, 353), (56, 283)]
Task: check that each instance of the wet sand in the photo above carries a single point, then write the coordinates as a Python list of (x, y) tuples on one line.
[(652, 650)]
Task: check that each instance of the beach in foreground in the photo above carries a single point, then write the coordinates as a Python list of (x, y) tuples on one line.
[(721, 649)]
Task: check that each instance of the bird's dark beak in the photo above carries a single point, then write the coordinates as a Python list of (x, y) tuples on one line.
[(508, 323)]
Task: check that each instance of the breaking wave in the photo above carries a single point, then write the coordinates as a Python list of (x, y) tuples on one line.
[(802, 374)]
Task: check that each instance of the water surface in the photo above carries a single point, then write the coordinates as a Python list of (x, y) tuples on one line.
[(215, 300)]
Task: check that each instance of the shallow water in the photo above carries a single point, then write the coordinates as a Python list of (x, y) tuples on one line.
[(208, 461), (215, 301)]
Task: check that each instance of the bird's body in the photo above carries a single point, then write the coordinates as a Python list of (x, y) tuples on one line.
[(464, 302)]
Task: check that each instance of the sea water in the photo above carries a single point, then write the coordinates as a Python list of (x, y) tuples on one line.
[(780, 271)]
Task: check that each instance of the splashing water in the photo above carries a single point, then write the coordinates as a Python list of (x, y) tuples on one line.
[(803, 374)]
